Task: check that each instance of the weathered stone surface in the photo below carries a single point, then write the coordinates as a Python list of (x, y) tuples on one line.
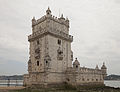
[(51, 56)]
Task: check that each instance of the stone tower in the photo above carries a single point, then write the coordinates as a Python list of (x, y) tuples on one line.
[(104, 70), (50, 49), (51, 57)]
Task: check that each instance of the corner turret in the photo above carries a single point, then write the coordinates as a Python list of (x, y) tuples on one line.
[(76, 64), (104, 70)]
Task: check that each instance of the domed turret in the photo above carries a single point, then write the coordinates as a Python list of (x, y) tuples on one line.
[(62, 18), (48, 11), (76, 64), (104, 70), (103, 66)]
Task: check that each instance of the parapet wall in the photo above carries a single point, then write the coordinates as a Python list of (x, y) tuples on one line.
[(58, 20)]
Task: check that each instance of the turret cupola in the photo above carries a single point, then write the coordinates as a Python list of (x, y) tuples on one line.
[(76, 64), (103, 66), (104, 70), (33, 21), (48, 11)]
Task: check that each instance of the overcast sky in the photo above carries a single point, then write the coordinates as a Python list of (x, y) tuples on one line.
[(95, 25)]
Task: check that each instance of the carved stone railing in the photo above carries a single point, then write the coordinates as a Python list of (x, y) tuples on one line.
[(58, 20), (90, 70), (56, 33)]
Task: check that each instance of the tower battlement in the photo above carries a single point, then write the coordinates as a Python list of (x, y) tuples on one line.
[(49, 16)]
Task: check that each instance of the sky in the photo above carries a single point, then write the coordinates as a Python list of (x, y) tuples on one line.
[(94, 24)]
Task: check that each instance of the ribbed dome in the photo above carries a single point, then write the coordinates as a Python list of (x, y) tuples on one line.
[(76, 62)]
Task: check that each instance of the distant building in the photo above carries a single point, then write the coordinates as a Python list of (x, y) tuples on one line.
[(51, 56)]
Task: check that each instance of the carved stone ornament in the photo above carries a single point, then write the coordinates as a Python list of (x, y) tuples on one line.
[(59, 54), (37, 51)]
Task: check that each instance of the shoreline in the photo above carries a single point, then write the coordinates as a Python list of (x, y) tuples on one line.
[(64, 89), (12, 88)]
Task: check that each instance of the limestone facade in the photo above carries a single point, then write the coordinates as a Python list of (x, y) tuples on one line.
[(51, 57)]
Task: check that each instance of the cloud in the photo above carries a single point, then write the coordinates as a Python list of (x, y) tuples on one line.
[(93, 23)]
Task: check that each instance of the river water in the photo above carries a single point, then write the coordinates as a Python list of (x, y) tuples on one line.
[(110, 83), (4, 83)]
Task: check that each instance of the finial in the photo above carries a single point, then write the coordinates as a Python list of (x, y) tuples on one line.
[(33, 17), (33, 21), (62, 16), (48, 11), (76, 58), (66, 18), (48, 8), (103, 66)]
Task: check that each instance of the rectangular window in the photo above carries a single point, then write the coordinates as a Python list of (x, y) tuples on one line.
[(37, 63), (59, 41), (38, 42)]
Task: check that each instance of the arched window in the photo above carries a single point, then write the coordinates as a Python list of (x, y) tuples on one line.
[(37, 63), (59, 41)]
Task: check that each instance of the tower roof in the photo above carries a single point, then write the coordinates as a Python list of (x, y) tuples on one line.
[(48, 11), (103, 66), (76, 62)]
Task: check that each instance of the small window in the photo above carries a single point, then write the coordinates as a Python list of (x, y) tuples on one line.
[(83, 79), (76, 66), (38, 42), (46, 62), (37, 63), (96, 79), (59, 41)]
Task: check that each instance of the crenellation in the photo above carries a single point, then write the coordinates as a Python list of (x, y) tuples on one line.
[(62, 21)]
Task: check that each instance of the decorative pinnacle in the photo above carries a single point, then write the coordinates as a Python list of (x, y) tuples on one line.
[(76, 58), (103, 66), (33, 18), (62, 16), (48, 11)]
